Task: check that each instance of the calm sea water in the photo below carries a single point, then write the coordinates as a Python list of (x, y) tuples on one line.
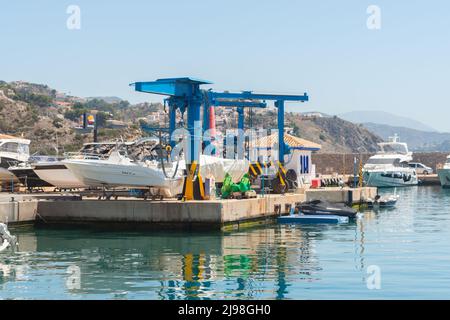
[(402, 253)]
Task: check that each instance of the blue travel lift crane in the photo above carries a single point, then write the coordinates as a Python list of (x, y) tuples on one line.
[(240, 106), (185, 95)]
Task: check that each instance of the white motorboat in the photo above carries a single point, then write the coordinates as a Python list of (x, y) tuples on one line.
[(388, 201), (444, 174), (58, 175), (12, 151), (389, 167), (120, 170)]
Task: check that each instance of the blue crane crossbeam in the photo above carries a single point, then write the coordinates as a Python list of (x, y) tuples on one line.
[(185, 94)]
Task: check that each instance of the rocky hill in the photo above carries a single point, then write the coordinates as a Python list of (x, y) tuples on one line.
[(334, 134), (47, 118)]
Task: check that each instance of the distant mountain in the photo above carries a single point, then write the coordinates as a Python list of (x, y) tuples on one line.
[(417, 140), (106, 99), (386, 118)]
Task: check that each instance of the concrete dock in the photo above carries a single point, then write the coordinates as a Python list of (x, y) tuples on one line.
[(212, 214), (341, 195), (429, 180)]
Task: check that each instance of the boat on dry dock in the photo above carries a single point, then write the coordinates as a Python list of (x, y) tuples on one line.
[(121, 170), (24, 171), (12, 152), (58, 175), (444, 174)]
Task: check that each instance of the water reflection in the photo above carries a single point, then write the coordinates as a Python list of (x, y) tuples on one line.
[(273, 262), (249, 264)]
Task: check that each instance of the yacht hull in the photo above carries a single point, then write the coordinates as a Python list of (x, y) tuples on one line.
[(101, 173), (119, 172), (58, 175), (5, 174), (386, 179), (444, 177), (28, 178)]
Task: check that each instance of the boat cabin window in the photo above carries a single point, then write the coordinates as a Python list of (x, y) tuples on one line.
[(448, 161), (400, 148), (10, 147), (394, 162), (15, 147)]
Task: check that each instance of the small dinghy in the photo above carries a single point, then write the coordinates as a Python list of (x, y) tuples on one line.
[(323, 208), (6, 239), (383, 202)]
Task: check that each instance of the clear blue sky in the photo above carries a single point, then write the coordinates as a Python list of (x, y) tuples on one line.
[(321, 47)]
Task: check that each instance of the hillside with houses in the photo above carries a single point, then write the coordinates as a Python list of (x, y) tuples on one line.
[(51, 119)]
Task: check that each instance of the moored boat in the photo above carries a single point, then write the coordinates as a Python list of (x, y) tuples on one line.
[(444, 174), (389, 201), (319, 207), (389, 167), (312, 219)]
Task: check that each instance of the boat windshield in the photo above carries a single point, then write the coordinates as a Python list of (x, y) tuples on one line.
[(24, 148), (448, 161), (400, 148)]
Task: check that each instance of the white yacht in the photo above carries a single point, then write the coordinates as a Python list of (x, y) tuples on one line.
[(444, 174), (389, 167), (12, 152)]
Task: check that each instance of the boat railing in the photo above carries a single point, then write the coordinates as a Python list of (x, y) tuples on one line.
[(85, 156), (13, 163)]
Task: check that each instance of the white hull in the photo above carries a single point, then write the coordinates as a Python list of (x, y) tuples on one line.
[(444, 177), (390, 178), (121, 172), (58, 175), (99, 173)]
